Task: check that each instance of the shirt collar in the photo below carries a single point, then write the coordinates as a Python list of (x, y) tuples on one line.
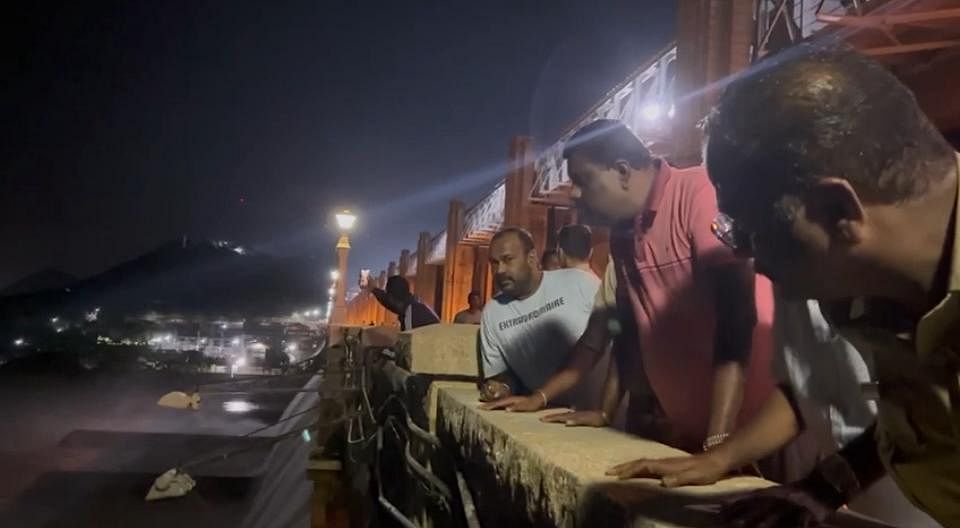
[(936, 324)]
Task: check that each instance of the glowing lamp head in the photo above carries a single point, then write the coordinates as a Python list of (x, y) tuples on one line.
[(345, 220), (651, 111)]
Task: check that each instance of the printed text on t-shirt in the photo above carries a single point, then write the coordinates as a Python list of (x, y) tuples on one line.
[(510, 323)]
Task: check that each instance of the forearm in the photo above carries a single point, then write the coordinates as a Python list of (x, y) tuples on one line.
[(863, 458), (611, 392), (581, 361), (585, 354), (773, 427), (726, 398), (385, 300)]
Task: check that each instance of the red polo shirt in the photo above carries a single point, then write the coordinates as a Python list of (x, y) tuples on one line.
[(661, 270)]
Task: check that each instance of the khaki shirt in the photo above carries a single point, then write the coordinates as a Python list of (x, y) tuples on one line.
[(918, 420)]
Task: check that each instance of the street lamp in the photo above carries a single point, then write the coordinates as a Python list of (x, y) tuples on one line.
[(345, 221)]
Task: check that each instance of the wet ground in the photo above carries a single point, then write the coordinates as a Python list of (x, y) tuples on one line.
[(82, 450)]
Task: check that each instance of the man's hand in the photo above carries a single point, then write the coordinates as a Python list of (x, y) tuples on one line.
[(516, 404), (799, 504), (694, 470), (578, 418)]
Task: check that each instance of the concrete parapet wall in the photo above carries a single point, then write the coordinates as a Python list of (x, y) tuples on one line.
[(523, 472), (442, 349)]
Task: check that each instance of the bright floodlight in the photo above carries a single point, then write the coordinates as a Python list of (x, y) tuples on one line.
[(345, 220), (18, 341), (334, 274), (651, 111)]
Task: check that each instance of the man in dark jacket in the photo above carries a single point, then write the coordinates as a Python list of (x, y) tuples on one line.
[(410, 310)]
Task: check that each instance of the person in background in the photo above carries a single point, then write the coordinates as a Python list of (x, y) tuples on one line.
[(528, 329), (550, 261), (696, 368), (473, 312), (411, 311), (575, 247), (842, 190)]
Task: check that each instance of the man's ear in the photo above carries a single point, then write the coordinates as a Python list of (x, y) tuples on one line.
[(834, 204), (623, 172)]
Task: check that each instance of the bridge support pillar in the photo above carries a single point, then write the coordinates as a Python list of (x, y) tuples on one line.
[(714, 41), (426, 283)]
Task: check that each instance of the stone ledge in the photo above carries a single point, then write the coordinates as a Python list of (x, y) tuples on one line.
[(523, 472), (441, 349)]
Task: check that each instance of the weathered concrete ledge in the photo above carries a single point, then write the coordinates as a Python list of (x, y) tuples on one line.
[(441, 349), (523, 472)]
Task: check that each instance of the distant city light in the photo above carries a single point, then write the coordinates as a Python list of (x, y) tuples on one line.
[(59, 329), (345, 220), (650, 111), (316, 312), (19, 342), (239, 250), (203, 341), (240, 362), (54, 320), (334, 274), (236, 341), (333, 291), (223, 326), (292, 347)]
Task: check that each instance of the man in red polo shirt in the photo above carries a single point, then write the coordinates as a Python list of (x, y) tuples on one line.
[(700, 363)]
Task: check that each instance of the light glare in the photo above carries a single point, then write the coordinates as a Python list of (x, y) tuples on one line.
[(345, 220)]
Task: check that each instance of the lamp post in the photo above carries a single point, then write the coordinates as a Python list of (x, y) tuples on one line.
[(345, 221)]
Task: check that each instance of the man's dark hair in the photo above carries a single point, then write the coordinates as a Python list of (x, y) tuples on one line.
[(547, 253), (815, 111), (473, 294), (525, 237), (398, 287), (576, 241), (606, 141)]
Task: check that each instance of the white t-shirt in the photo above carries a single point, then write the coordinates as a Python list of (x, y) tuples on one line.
[(823, 367), (533, 337)]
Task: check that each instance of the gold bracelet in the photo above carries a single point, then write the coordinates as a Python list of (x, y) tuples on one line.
[(544, 396)]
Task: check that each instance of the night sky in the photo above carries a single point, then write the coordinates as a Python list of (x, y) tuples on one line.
[(128, 124)]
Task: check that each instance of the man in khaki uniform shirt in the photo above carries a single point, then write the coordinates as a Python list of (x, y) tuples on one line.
[(832, 178)]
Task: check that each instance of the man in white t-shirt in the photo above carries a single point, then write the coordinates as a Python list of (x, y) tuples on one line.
[(529, 328)]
